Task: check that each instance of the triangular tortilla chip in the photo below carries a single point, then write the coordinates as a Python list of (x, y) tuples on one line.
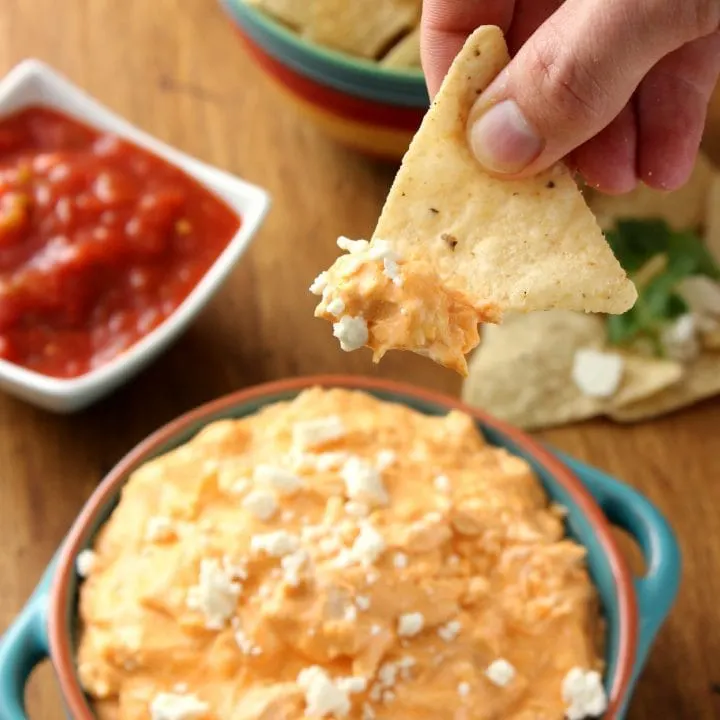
[(406, 54), (522, 372), (360, 27), (521, 245), (290, 12), (701, 381)]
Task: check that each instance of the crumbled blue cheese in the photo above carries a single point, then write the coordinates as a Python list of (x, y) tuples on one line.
[(597, 373), (261, 503), (463, 689), (336, 307), (680, 338), (312, 433), (500, 672), (215, 595), (85, 562), (323, 696), (319, 283), (293, 565), (363, 482), (277, 478), (352, 246), (352, 332), (275, 544), (159, 529), (442, 484), (450, 630), (410, 624), (584, 694), (174, 706), (367, 548)]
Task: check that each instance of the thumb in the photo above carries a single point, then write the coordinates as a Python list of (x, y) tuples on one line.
[(574, 76)]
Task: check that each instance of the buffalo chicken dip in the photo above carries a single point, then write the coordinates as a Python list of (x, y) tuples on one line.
[(337, 556)]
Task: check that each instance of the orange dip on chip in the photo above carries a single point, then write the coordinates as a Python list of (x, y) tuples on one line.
[(337, 557)]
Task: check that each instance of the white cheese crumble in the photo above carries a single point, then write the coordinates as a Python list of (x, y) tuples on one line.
[(85, 562), (159, 529), (278, 478), (352, 246), (362, 602), (312, 433), (464, 689), (336, 307), (500, 672), (293, 566), (442, 484), (680, 338), (352, 332), (363, 483), (597, 373), (246, 645), (450, 630), (391, 270), (275, 544), (400, 560), (319, 283), (261, 503), (584, 694), (384, 459), (357, 509), (410, 624), (173, 706), (215, 595), (323, 697), (369, 545)]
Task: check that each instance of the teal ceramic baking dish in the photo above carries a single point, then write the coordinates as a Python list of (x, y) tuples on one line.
[(634, 607)]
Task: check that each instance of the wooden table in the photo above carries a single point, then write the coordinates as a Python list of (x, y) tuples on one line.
[(175, 68)]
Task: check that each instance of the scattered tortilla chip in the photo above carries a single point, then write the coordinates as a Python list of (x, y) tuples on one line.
[(518, 244), (406, 54), (701, 381), (290, 12), (360, 27), (522, 372), (712, 222), (682, 209)]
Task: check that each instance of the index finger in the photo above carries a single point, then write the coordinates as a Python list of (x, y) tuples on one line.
[(446, 25)]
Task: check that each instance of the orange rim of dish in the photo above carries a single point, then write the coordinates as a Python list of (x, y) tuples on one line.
[(61, 651)]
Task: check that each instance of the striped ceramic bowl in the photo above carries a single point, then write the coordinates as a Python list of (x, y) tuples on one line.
[(373, 109)]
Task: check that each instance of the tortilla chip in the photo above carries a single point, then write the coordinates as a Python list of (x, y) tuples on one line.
[(406, 54), (701, 381), (712, 222), (520, 245), (294, 13), (360, 27), (522, 372), (682, 209)]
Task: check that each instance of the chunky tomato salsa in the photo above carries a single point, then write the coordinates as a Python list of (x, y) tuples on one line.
[(100, 241)]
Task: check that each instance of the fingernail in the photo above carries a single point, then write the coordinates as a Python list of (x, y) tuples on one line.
[(502, 140)]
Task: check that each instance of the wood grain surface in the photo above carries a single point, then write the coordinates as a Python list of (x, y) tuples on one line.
[(176, 69)]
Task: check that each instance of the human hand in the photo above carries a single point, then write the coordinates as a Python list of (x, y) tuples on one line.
[(618, 88)]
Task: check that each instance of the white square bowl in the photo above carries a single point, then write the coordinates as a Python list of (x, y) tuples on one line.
[(34, 83)]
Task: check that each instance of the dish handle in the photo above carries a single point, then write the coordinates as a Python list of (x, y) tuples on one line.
[(23, 646), (625, 507)]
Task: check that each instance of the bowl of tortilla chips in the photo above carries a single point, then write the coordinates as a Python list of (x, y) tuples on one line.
[(352, 69)]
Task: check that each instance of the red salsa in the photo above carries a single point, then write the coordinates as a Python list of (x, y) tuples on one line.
[(100, 241)]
